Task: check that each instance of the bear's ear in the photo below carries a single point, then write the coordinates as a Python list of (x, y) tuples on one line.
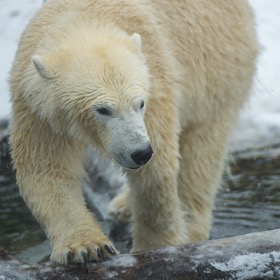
[(137, 40), (43, 66)]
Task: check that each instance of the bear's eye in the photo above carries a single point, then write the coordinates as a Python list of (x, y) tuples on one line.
[(104, 111), (142, 104)]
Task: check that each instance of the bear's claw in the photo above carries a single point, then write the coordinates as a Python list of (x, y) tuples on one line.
[(69, 256), (110, 250), (83, 254), (98, 253)]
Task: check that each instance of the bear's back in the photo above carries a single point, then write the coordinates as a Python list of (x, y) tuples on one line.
[(201, 48)]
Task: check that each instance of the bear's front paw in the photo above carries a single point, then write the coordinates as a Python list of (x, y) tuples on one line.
[(83, 250)]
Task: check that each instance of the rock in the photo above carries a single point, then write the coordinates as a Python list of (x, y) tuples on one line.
[(253, 256)]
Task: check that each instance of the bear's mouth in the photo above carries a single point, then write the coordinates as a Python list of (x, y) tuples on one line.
[(121, 160), (133, 168), (130, 167)]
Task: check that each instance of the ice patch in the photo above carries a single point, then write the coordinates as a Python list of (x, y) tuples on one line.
[(123, 261), (250, 265), (10, 273), (45, 270), (119, 263), (112, 274), (276, 256), (170, 250)]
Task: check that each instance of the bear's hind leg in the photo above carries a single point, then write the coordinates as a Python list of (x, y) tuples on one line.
[(203, 151), (120, 208)]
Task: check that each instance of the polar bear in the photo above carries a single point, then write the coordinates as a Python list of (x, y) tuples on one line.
[(155, 86)]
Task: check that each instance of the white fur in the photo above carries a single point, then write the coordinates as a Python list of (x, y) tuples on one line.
[(192, 62)]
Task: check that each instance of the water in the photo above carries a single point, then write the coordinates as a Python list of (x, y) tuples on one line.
[(245, 209), (249, 202), (18, 229)]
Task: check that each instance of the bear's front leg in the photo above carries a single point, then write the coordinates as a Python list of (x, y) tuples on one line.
[(157, 218), (49, 174), (77, 237)]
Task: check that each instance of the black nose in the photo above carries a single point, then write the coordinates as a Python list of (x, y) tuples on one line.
[(142, 156)]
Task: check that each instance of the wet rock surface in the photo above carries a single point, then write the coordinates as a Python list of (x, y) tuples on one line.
[(254, 256), (250, 199), (248, 202)]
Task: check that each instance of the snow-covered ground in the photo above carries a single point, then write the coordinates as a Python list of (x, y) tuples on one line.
[(14, 15), (260, 118)]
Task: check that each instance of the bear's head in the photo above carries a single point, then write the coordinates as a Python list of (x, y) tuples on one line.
[(97, 91)]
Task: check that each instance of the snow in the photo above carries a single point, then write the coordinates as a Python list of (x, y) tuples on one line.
[(250, 265), (123, 261), (169, 250), (14, 15), (11, 273), (119, 263), (261, 116)]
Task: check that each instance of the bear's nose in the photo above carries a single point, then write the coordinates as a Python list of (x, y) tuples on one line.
[(140, 157)]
